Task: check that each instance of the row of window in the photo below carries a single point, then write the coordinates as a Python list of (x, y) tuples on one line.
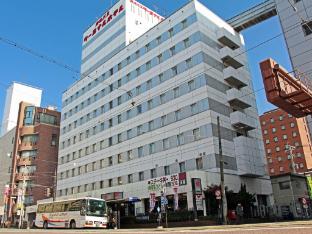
[(141, 176), (283, 127), (140, 89), (278, 148), (142, 151), (282, 169), (144, 107), (280, 118), (280, 158), (32, 139), (152, 125), (284, 137), (133, 57)]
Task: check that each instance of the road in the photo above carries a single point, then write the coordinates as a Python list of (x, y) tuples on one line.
[(296, 227)]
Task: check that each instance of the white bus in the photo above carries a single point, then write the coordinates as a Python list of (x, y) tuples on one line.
[(73, 213)]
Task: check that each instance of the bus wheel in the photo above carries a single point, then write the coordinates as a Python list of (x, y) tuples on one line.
[(45, 225), (72, 224)]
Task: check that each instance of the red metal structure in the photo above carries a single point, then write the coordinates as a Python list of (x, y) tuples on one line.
[(292, 94)]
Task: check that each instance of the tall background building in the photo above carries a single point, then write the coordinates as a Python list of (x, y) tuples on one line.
[(147, 115), (17, 93), (296, 21), (280, 129), (34, 156)]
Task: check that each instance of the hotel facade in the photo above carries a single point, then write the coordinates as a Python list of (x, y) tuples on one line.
[(143, 117)]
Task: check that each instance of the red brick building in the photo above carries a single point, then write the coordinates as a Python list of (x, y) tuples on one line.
[(35, 155), (280, 129)]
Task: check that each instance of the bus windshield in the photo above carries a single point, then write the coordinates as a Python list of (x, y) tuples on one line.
[(96, 208)]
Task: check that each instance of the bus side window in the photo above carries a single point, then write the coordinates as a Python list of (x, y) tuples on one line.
[(41, 208), (66, 205), (83, 207)]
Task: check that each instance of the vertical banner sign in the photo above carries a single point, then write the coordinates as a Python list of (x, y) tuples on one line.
[(152, 201), (309, 182), (176, 199)]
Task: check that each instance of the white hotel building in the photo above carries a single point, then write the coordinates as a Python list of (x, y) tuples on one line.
[(146, 108)]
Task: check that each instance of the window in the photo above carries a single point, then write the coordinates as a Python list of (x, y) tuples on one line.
[(188, 63), (54, 140), (292, 125), (191, 85), (165, 143), (153, 173), (119, 158), (152, 148), (268, 151), (307, 28), (101, 184), (147, 47), (167, 170), (102, 163), (130, 178), (263, 122), (176, 92), (119, 119), (265, 132), (174, 71), (272, 170), (148, 65), (279, 158), (149, 84), (281, 168), (172, 51), (196, 134), (277, 149), (138, 71), (119, 140), (139, 109), (110, 161), (180, 139), (119, 180), (160, 58), (119, 100), (158, 40), (275, 139), (149, 104), (184, 24), (301, 165), (272, 120), (267, 141), (140, 152), (110, 182), (281, 117), (162, 98), (273, 130), (199, 163), (186, 42), (283, 127), (161, 77), (270, 160), (177, 115), (93, 166), (182, 166), (129, 154), (170, 32), (150, 125), (294, 134), (141, 176), (163, 120), (94, 148)]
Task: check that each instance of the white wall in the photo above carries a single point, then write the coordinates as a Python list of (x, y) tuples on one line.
[(17, 93)]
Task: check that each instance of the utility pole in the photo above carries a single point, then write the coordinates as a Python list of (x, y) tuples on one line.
[(290, 149), (221, 161)]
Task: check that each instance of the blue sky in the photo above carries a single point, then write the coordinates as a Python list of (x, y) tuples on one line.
[(55, 28)]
